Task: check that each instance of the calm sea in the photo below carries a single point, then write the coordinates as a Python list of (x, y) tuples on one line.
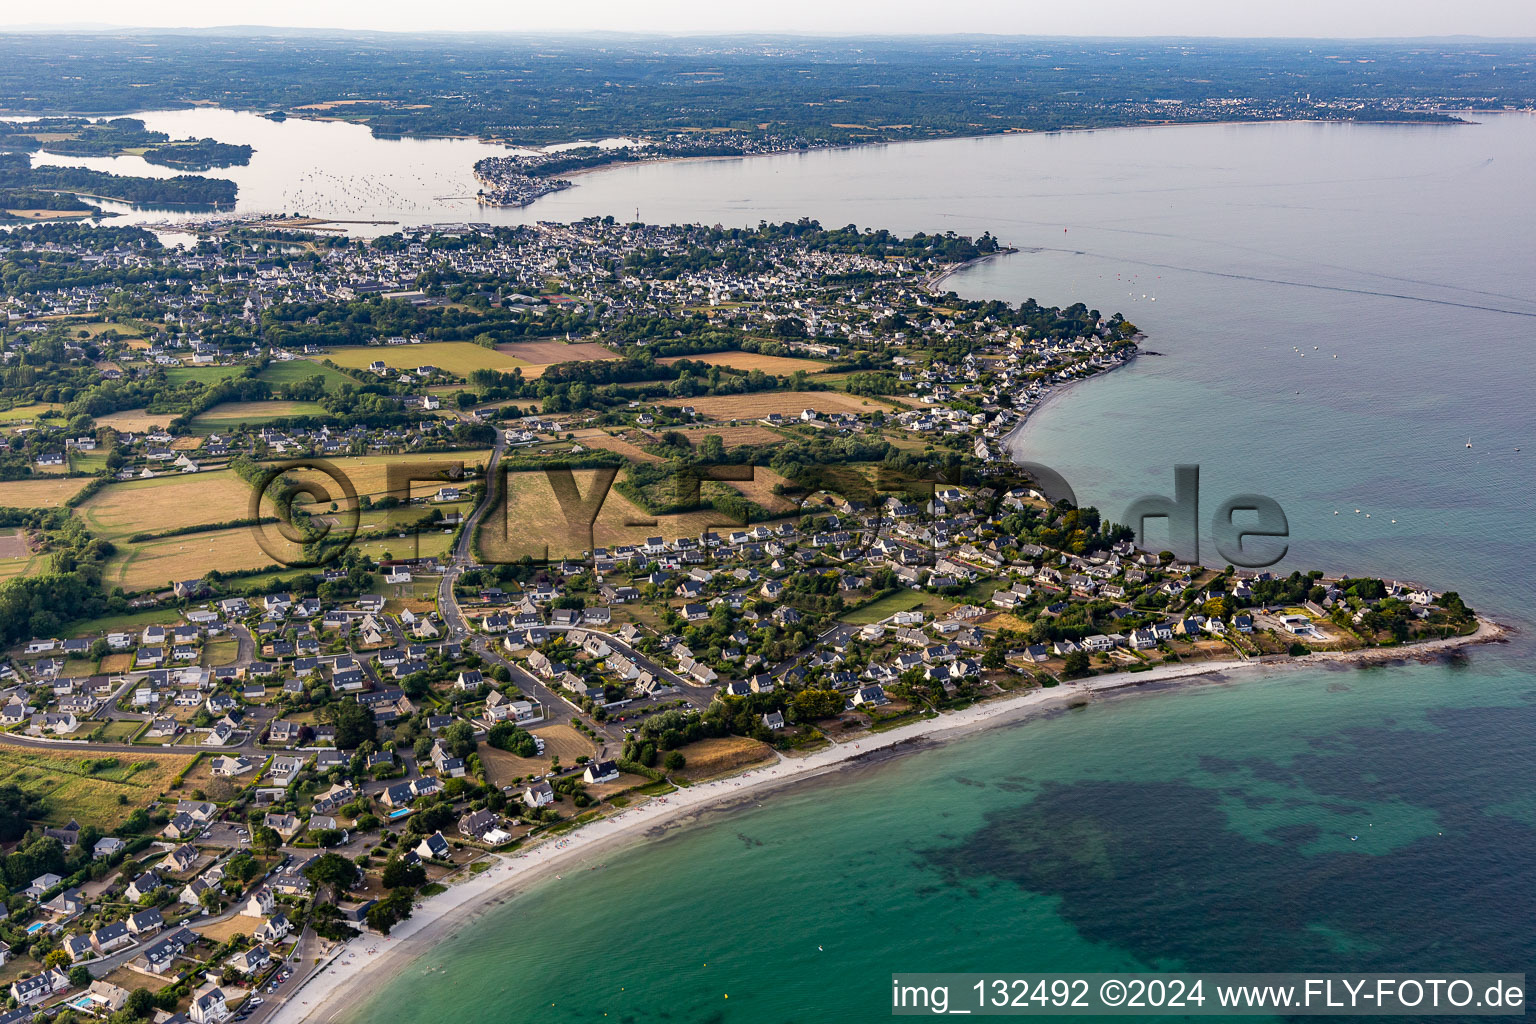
[(1340, 310)]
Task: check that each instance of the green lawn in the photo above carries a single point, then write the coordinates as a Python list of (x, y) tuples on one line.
[(128, 622), (201, 374), (27, 412), (890, 604), (229, 416), (121, 731), (87, 462), (296, 370), (221, 652), (982, 590)]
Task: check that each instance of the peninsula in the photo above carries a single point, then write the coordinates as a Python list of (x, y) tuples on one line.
[(351, 585)]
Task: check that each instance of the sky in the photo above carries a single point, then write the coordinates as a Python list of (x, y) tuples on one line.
[(1312, 18)]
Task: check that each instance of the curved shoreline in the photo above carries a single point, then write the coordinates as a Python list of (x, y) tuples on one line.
[(341, 985)]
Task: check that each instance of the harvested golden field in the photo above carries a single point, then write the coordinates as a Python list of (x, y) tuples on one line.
[(717, 756), (86, 787), (760, 490), (560, 741), (161, 503), (538, 526), (48, 214), (455, 357), (10, 568), (154, 564), (31, 565), (229, 416), (178, 500), (787, 403), (595, 438), (545, 353), (41, 492), (747, 361), (369, 474), (735, 437), (134, 421), (413, 545)]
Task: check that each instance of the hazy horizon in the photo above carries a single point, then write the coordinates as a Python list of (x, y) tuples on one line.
[(1101, 19), (83, 28)]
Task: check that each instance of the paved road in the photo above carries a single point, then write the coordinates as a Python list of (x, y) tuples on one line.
[(556, 710)]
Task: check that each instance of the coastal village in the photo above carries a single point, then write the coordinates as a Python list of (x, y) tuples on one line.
[(239, 761)]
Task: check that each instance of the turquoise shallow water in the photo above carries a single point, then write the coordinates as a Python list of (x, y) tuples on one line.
[(1204, 828)]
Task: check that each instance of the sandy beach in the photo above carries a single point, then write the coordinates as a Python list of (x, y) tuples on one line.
[(348, 973)]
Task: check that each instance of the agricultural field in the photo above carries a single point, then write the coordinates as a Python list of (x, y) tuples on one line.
[(39, 492), (455, 357), (547, 353), (125, 329), (158, 563), (595, 438), (87, 788), (155, 564), (230, 416), (293, 371), (719, 755), (369, 474), (787, 403), (201, 374), (17, 557), (781, 366), (433, 544), (760, 491), (157, 504), (560, 741), (735, 437), (538, 527), (26, 413), (134, 421), (10, 568)]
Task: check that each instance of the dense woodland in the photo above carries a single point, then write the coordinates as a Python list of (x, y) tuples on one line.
[(816, 91), (183, 191)]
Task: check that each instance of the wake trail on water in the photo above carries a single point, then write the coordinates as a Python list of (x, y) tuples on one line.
[(1253, 251), (1291, 284)]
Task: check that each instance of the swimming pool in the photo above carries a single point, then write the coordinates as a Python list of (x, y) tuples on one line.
[(35, 926)]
